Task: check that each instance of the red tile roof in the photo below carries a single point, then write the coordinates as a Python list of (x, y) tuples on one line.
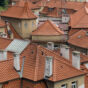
[(51, 13), (34, 65), (80, 18), (68, 5), (19, 12), (4, 42), (7, 71), (13, 84), (79, 39), (21, 3), (2, 23), (48, 28)]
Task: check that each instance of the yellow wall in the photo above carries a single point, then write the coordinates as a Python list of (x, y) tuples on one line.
[(79, 79), (20, 28), (2, 29), (27, 30), (47, 38)]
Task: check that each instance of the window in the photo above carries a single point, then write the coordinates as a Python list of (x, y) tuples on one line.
[(32, 24), (25, 25), (74, 84), (64, 86), (19, 25)]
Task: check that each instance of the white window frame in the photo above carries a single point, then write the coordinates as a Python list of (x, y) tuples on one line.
[(74, 84), (64, 86)]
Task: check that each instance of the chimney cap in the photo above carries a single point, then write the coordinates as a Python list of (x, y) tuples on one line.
[(76, 52)]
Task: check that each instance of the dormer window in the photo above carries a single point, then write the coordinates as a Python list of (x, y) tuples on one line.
[(48, 66)]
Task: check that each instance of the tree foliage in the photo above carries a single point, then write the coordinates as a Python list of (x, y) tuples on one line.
[(3, 2)]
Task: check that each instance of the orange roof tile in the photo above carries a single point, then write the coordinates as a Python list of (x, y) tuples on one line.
[(31, 6), (48, 28), (2, 23), (12, 84), (7, 71), (19, 12), (34, 65), (4, 42), (79, 39), (80, 18), (51, 13)]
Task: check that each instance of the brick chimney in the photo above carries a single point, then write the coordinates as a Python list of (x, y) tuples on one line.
[(16, 61), (76, 59)]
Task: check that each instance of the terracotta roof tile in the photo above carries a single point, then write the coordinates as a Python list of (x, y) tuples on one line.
[(48, 28), (34, 65), (4, 42), (51, 13), (7, 71), (2, 23), (13, 84), (79, 39), (80, 18), (22, 2), (19, 12)]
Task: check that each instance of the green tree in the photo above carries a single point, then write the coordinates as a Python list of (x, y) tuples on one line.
[(3, 2)]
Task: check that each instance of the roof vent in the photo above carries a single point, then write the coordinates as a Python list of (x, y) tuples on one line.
[(79, 36)]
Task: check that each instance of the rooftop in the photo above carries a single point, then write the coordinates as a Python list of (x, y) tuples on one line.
[(19, 12), (48, 28)]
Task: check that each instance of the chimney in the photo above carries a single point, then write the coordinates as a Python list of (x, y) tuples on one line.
[(50, 45), (64, 51), (3, 55), (76, 59), (16, 61), (48, 66)]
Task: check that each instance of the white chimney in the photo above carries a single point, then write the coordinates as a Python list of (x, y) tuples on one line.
[(48, 66), (64, 51), (50, 45), (76, 59), (3, 55), (16, 61)]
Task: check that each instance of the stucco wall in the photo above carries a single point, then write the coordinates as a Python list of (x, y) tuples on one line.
[(23, 27), (47, 38), (27, 27), (80, 82), (2, 30), (79, 79)]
